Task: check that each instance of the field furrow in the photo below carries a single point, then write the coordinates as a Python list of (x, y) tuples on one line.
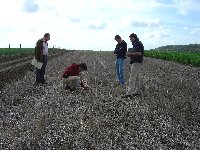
[(165, 116)]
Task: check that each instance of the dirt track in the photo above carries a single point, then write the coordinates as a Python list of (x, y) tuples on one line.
[(166, 116)]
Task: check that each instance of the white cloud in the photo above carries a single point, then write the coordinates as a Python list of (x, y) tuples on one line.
[(183, 12), (195, 31), (85, 24), (133, 5), (185, 28), (30, 6), (95, 24), (160, 34), (185, 7), (145, 23), (74, 19)]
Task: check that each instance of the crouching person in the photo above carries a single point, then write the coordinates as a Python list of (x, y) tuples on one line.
[(72, 78)]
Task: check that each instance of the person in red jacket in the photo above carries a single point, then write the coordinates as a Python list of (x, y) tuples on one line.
[(71, 76)]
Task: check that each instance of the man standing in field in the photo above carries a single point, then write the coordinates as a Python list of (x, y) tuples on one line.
[(120, 51), (41, 52), (136, 58)]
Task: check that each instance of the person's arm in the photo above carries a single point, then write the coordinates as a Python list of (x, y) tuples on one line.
[(122, 49), (125, 47), (129, 54), (116, 49), (65, 75), (39, 50), (138, 51)]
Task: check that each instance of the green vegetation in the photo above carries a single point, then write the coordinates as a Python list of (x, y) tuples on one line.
[(18, 51), (180, 48), (192, 58), (14, 51), (184, 57)]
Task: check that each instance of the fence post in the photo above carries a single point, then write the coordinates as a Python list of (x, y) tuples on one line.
[(9, 46), (20, 46)]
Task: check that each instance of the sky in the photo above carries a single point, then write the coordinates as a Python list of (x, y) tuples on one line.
[(93, 24)]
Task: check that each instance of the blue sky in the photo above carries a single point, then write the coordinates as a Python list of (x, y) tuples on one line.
[(92, 24)]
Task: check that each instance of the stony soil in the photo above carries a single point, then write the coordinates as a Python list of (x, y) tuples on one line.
[(13, 67), (165, 116)]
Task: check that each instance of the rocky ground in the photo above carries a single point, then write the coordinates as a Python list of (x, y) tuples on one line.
[(13, 67), (165, 116)]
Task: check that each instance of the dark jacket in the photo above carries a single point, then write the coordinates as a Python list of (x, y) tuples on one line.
[(121, 49), (39, 50), (137, 47)]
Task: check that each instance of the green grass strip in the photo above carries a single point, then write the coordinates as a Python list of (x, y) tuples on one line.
[(16, 51), (191, 58)]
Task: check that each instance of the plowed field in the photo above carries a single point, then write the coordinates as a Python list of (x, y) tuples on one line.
[(165, 116)]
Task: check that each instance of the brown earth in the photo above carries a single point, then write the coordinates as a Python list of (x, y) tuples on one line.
[(165, 116)]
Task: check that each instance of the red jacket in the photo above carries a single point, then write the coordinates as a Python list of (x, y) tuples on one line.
[(72, 70)]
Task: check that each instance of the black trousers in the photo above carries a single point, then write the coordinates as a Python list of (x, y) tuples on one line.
[(41, 72)]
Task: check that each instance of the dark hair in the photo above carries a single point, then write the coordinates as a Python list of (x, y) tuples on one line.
[(117, 37), (83, 66), (46, 34), (134, 35)]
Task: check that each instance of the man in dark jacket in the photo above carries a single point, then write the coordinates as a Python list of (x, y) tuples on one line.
[(41, 52), (136, 59), (120, 51)]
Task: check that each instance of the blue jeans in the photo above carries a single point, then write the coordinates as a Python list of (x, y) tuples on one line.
[(120, 70), (41, 72)]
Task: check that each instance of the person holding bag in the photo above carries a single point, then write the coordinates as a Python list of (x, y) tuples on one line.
[(136, 59), (41, 55)]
